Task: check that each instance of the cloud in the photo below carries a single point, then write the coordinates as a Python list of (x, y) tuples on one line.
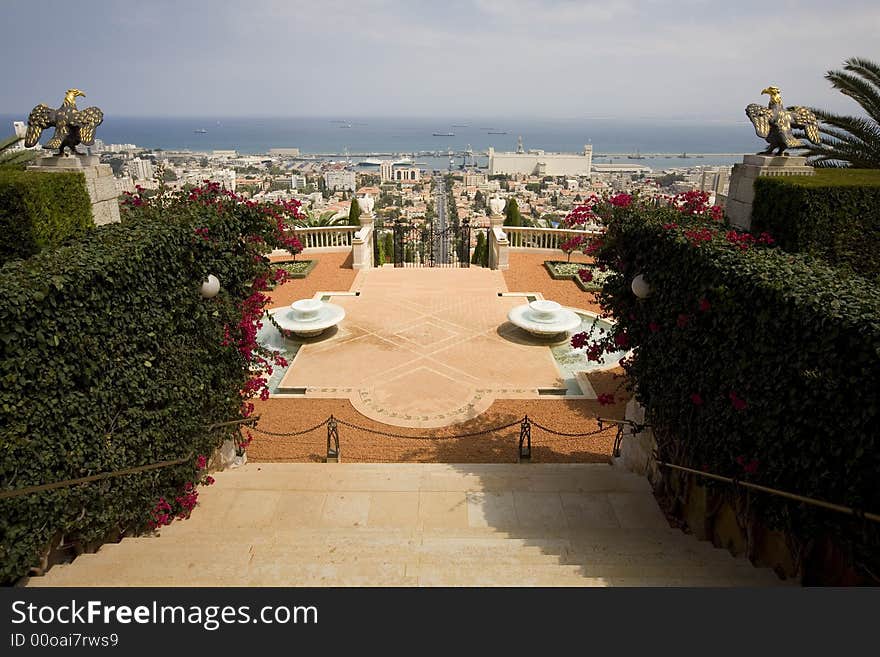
[(550, 58)]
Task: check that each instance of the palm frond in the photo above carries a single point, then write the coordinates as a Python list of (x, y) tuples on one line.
[(851, 140)]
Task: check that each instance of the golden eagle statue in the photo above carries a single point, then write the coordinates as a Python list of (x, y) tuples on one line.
[(775, 122), (72, 126)]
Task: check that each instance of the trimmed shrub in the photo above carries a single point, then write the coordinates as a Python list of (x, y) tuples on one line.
[(834, 215), (40, 210), (752, 362), (111, 359)]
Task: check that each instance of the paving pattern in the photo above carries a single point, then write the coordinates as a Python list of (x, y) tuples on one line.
[(425, 348)]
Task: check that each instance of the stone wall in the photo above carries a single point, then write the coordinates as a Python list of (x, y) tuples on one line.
[(741, 194), (100, 183)]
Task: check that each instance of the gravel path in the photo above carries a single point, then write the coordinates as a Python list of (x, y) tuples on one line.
[(527, 274)]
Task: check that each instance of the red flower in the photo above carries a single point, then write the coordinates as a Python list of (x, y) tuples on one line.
[(751, 467), (621, 339), (704, 305), (208, 480), (696, 399), (605, 399), (622, 200), (653, 327), (738, 404), (683, 320), (202, 462), (585, 275)]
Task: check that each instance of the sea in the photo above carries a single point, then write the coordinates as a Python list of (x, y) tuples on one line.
[(658, 144)]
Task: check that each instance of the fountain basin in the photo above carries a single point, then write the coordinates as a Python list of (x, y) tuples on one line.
[(544, 318), (309, 317)]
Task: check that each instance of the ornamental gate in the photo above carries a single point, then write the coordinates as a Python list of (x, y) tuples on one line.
[(425, 245)]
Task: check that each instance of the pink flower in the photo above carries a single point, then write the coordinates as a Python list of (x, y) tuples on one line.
[(705, 305), (621, 339), (621, 200), (585, 275), (738, 404), (696, 399), (653, 327), (202, 462), (683, 320)]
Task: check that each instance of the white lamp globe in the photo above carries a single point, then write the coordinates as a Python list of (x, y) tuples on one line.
[(640, 287), (210, 287)]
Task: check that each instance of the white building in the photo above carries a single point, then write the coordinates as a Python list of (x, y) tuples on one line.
[(140, 169), (297, 181), (410, 173), (540, 163), (340, 180), (284, 152), (226, 178), (475, 179), (386, 171)]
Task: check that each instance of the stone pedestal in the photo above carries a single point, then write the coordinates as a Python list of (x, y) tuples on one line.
[(738, 205), (499, 246), (100, 183)]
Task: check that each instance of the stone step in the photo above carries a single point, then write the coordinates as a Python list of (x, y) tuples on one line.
[(242, 573), (409, 552), (316, 543)]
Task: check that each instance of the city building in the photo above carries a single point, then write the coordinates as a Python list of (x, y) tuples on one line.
[(386, 171), (714, 180), (407, 174), (140, 169), (297, 181), (284, 152), (541, 163), (340, 180), (475, 179)]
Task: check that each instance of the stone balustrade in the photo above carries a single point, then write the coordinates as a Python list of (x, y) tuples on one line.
[(327, 237), (542, 238)]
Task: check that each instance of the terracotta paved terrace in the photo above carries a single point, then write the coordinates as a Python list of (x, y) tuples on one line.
[(425, 348)]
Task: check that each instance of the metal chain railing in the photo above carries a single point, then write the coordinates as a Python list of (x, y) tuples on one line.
[(291, 433)]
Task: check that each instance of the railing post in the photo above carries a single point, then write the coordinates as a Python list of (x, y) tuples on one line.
[(332, 441), (525, 440)]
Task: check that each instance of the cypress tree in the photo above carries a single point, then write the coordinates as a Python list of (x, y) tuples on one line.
[(354, 212), (511, 213)]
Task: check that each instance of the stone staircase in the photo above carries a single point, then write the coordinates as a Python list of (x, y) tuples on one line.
[(294, 524)]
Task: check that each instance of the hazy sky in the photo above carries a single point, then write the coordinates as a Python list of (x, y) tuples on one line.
[(460, 58)]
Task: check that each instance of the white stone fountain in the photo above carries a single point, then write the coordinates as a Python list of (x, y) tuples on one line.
[(309, 317), (544, 318)]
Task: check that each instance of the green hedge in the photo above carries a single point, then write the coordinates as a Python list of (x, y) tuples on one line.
[(111, 359), (834, 215), (39, 210), (753, 363)]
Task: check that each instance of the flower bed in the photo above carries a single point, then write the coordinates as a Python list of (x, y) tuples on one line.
[(588, 277), (295, 268)]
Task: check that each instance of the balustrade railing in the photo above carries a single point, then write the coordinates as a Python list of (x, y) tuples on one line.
[(542, 238), (326, 236)]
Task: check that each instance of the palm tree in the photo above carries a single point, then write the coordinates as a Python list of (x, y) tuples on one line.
[(325, 219), (851, 141), (14, 158)]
